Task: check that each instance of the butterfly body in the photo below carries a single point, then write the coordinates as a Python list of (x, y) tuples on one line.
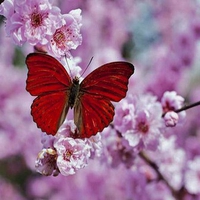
[(74, 91), (91, 99)]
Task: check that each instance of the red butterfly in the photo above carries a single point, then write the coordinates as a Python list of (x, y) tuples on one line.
[(56, 92)]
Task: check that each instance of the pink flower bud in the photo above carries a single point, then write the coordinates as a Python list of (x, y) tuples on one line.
[(171, 119)]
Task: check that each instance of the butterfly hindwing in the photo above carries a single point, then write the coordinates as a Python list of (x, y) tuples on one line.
[(45, 74), (109, 81), (49, 111), (92, 115)]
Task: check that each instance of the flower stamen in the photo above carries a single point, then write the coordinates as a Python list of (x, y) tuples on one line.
[(143, 127), (67, 155), (59, 37), (36, 19)]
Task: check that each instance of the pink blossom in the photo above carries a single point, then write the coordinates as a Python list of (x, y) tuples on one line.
[(7, 8), (64, 154), (171, 102), (96, 145), (72, 66), (116, 149), (46, 162), (47, 140), (68, 129), (113, 30), (163, 194), (124, 116), (142, 124), (32, 21), (171, 161), (171, 119), (67, 36), (192, 178), (73, 154)]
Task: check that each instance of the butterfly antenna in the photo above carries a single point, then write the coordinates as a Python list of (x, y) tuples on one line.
[(68, 66), (87, 66)]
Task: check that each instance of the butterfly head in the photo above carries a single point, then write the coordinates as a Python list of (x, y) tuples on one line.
[(75, 81)]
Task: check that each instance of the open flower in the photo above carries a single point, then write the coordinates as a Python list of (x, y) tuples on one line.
[(141, 121), (192, 178), (73, 154), (171, 102), (67, 36), (46, 162), (31, 20)]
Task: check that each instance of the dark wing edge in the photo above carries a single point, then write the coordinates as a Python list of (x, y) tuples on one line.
[(108, 81)]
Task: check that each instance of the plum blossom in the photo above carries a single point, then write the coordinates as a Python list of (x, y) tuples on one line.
[(164, 192), (47, 140), (68, 129), (192, 178), (117, 170), (67, 36), (140, 122), (171, 161), (73, 154), (64, 153), (72, 64), (31, 21), (7, 8), (117, 150), (172, 102), (171, 119), (124, 116), (96, 145), (46, 162)]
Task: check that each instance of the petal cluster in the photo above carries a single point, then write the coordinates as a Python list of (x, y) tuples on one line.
[(39, 23), (64, 154)]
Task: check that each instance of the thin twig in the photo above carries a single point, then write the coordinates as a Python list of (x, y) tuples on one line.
[(160, 176), (186, 107)]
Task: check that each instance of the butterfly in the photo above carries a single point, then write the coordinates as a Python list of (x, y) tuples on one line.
[(91, 99)]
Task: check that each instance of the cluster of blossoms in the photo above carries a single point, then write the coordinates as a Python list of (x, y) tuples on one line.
[(65, 154), (138, 127), (42, 25), (151, 145)]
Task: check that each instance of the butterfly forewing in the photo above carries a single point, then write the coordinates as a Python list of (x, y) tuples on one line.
[(109, 81), (93, 110), (45, 75), (48, 80)]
